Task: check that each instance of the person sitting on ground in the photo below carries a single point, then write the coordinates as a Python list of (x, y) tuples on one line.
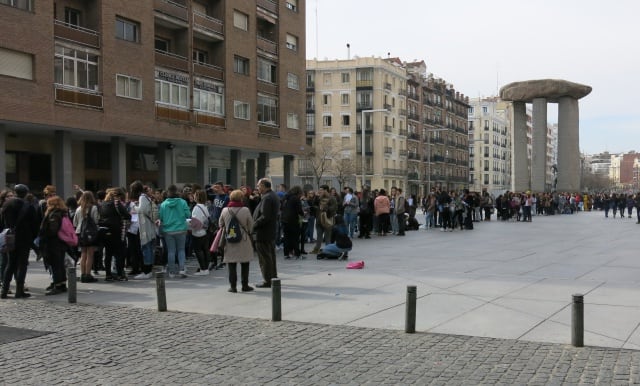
[(340, 242)]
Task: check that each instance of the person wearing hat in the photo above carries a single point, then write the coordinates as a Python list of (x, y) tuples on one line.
[(19, 215)]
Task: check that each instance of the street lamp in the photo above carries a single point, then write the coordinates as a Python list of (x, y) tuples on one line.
[(363, 142)]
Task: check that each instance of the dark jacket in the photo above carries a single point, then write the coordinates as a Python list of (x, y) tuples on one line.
[(265, 217), (292, 210), (112, 214), (20, 215)]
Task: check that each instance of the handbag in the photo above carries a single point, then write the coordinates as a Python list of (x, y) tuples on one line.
[(218, 241), (67, 232), (326, 221)]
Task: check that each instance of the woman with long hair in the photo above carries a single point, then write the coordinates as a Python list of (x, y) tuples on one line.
[(382, 206), (51, 246), (86, 208), (113, 216)]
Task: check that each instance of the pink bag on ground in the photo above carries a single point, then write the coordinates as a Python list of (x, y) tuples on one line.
[(356, 265)]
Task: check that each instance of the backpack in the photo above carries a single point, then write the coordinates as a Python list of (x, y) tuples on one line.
[(67, 232), (233, 229), (88, 231)]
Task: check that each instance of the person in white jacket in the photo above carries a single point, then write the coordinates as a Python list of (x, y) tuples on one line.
[(199, 238)]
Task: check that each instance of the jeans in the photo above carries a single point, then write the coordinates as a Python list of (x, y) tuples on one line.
[(428, 220), (175, 244), (394, 221), (334, 250), (311, 224), (350, 222)]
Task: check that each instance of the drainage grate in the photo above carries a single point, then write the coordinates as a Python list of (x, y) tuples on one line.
[(13, 334)]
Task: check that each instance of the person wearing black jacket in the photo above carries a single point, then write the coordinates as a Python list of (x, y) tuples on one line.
[(18, 215), (291, 217), (113, 216), (264, 231)]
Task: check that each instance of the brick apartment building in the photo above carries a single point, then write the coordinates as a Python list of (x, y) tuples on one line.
[(99, 93)]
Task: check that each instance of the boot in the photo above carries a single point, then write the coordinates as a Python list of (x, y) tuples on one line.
[(244, 277), (4, 291), (20, 291), (233, 277)]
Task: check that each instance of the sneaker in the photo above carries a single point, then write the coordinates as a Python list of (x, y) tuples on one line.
[(202, 272), (172, 275), (143, 276), (183, 274)]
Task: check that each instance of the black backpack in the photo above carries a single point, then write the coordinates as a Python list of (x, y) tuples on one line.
[(233, 229), (88, 231)]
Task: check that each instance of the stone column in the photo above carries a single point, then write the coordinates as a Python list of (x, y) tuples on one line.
[(236, 168), (521, 175), (568, 145), (287, 168), (250, 172), (202, 165), (118, 162), (165, 164), (62, 163), (539, 145), (263, 162)]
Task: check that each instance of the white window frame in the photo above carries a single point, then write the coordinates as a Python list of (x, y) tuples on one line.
[(269, 107), (291, 42), (241, 110), (209, 101), (327, 120), (292, 81), (267, 71), (292, 121), (72, 62), (240, 20), (134, 28), (25, 5), (172, 94), (129, 83)]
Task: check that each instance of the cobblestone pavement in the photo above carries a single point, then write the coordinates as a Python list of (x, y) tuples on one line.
[(107, 345)]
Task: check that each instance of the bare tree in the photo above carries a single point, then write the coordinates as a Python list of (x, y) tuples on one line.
[(344, 169), (318, 161)]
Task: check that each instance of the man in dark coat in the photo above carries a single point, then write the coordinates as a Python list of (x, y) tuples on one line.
[(265, 219), (19, 215)]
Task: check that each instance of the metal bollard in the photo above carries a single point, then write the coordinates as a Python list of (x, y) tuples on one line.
[(161, 292), (276, 301), (410, 311), (71, 284), (577, 321)]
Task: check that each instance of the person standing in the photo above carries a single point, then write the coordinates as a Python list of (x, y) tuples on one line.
[(326, 203), (199, 237), (265, 218), (144, 207), (53, 249), (401, 208), (351, 206), (291, 218), (382, 206), (173, 216), (114, 216), (242, 251), (17, 214), (86, 209)]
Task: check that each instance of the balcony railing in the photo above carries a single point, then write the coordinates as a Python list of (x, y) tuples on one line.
[(208, 70), (203, 118), (364, 105), (76, 34), (402, 92), (402, 133), (268, 5), (167, 59), (388, 150), (403, 152), (394, 172), (267, 45), (364, 83), (387, 86), (172, 113), (272, 131), (413, 176), (388, 129), (414, 117), (78, 97), (208, 25), (173, 8)]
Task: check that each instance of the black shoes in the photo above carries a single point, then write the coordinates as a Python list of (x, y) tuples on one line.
[(247, 288), (263, 285), (232, 289), (87, 278)]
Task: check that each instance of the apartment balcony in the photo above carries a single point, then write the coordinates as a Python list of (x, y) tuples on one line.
[(364, 106), (172, 113), (268, 5), (203, 118), (267, 46), (394, 172), (413, 176), (402, 133), (78, 97), (167, 59), (386, 106), (413, 156), (388, 150), (403, 152), (388, 129), (413, 136), (311, 131), (271, 131), (173, 13), (402, 112), (402, 92), (306, 173), (266, 87), (76, 34), (208, 70), (413, 96), (413, 117), (387, 86), (360, 84), (311, 86), (207, 28)]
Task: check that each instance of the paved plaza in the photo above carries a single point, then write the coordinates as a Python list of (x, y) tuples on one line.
[(494, 306)]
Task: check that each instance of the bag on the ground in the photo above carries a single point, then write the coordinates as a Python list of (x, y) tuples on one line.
[(88, 232), (67, 232), (233, 229)]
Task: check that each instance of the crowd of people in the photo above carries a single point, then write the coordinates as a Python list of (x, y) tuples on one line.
[(126, 232)]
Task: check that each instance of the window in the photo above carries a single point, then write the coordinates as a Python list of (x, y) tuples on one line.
[(345, 120), (72, 17), (241, 110), (292, 5), (16, 64), (200, 56), (345, 77), (311, 122), (326, 99), (344, 99), (128, 87), (326, 121), (484, 109), (26, 5), (241, 65), (311, 79), (240, 20), (76, 68), (292, 121), (292, 42), (208, 97), (127, 30), (162, 44), (292, 81), (267, 110), (172, 94), (266, 71)]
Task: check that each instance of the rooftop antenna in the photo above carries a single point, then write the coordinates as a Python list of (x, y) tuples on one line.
[(348, 51), (317, 29)]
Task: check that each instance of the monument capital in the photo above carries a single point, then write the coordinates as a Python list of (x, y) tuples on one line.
[(550, 89)]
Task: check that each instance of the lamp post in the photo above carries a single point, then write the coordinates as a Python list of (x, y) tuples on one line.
[(363, 112)]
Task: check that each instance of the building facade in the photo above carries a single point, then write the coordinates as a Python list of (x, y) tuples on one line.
[(105, 92)]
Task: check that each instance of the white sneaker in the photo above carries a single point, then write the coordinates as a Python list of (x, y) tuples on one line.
[(442, 230), (202, 273), (183, 274), (172, 275), (143, 276)]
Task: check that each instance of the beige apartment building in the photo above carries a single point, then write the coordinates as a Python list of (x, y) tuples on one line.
[(414, 127), (167, 91)]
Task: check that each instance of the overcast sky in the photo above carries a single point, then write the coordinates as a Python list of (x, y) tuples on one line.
[(479, 46)]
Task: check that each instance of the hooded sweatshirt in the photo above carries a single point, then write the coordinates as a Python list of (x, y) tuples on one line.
[(173, 215)]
